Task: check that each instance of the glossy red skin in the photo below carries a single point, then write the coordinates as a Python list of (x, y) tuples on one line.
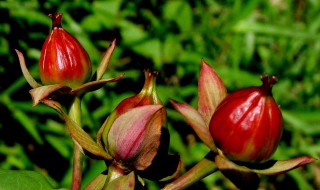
[(247, 125), (63, 60)]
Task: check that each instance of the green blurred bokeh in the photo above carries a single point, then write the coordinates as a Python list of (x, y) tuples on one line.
[(240, 39)]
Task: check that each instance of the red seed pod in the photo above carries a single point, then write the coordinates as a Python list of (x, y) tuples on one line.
[(247, 124), (63, 60)]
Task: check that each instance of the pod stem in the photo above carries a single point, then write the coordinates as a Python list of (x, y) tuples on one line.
[(56, 20), (268, 82)]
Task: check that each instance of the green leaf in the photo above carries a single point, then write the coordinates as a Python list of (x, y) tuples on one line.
[(23, 180), (150, 48), (107, 7), (97, 183), (181, 13), (131, 33)]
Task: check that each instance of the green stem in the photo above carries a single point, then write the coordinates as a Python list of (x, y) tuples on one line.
[(114, 172), (202, 169), (75, 115)]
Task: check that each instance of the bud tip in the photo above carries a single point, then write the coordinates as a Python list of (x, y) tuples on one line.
[(56, 19)]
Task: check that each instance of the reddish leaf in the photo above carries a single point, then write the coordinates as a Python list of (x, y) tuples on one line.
[(195, 120), (271, 167), (211, 91), (43, 92), (94, 85), (105, 60)]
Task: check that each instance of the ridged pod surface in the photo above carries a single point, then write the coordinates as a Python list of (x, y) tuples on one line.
[(63, 60), (247, 124)]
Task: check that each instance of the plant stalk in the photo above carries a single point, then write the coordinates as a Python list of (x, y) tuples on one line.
[(202, 169), (75, 115)]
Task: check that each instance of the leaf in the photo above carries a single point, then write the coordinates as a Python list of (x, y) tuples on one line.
[(97, 183), (281, 166), (195, 120), (271, 167), (211, 91), (199, 171), (181, 13), (43, 92), (23, 180), (94, 85), (131, 33), (126, 182), (33, 83), (243, 179), (77, 133), (150, 48), (105, 60)]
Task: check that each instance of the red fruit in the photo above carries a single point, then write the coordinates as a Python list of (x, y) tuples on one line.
[(63, 60), (247, 124)]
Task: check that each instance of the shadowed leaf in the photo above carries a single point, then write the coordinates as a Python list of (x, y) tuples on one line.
[(77, 133), (43, 92)]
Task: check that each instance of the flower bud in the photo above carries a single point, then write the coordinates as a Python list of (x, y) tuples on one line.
[(247, 124), (131, 134), (63, 60)]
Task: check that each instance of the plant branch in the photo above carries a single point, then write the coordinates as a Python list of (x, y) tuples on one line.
[(202, 169), (75, 115)]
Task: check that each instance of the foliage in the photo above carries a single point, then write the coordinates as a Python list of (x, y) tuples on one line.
[(240, 39)]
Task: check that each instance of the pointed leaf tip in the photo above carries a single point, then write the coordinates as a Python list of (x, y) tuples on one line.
[(211, 91), (33, 83), (195, 120), (281, 166), (43, 92), (103, 66), (271, 167)]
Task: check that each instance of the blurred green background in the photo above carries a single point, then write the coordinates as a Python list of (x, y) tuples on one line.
[(240, 39)]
